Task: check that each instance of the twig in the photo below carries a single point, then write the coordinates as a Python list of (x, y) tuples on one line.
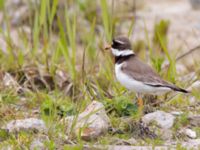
[(183, 55), (83, 65), (187, 53)]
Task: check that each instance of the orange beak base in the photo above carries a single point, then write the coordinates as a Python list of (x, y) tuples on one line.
[(107, 47)]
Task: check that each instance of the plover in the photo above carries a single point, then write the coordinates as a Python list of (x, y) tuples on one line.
[(134, 74)]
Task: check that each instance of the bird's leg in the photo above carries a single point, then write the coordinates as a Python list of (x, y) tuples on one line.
[(140, 103)]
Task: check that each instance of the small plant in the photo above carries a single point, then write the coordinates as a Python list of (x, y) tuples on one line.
[(76, 147), (50, 145), (160, 32), (180, 147), (161, 46), (3, 135), (8, 96), (181, 121), (122, 106)]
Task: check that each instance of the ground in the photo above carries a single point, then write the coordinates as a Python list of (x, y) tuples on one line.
[(57, 84)]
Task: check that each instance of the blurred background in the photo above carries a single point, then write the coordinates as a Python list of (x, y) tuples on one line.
[(53, 63), (177, 21)]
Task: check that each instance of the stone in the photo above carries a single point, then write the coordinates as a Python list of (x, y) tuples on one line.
[(119, 141), (166, 134), (195, 85), (172, 145), (91, 123), (191, 144), (127, 147), (132, 141), (162, 119), (20, 15), (38, 142), (29, 124), (10, 82), (192, 100), (180, 68), (176, 113), (194, 120), (195, 4), (190, 133)]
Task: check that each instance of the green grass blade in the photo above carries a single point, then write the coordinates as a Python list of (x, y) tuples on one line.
[(106, 20), (43, 11), (172, 67)]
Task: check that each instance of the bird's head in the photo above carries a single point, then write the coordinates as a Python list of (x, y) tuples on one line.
[(121, 46)]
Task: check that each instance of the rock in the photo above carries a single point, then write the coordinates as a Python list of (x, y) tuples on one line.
[(119, 141), (190, 133), (176, 113), (91, 123), (32, 124), (194, 120), (195, 85), (172, 145), (162, 119), (126, 147), (38, 142), (60, 78), (10, 82), (192, 100), (165, 134), (191, 144), (20, 15), (20, 11), (160, 122), (132, 141), (195, 4), (180, 68)]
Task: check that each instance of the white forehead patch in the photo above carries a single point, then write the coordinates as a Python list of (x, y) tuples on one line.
[(125, 52), (118, 41)]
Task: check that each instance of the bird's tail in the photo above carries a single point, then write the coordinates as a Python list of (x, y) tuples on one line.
[(171, 86), (175, 88)]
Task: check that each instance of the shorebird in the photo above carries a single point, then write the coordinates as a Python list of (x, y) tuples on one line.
[(134, 74)]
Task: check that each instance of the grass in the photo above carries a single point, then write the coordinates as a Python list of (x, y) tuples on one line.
[(73, 47)]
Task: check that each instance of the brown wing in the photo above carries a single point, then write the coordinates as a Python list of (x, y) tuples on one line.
[(142, 72)]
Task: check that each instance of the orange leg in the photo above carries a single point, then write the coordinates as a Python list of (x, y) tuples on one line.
[(140, 105)]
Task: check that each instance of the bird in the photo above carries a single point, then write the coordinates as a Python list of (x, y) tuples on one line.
[(134, 74)]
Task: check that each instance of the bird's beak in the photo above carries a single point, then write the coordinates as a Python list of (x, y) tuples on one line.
[(107, 47)]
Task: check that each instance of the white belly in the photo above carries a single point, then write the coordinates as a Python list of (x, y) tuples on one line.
[(136, 86)]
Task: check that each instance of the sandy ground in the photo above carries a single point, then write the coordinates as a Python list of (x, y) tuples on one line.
[(184, 21), (184, 31)]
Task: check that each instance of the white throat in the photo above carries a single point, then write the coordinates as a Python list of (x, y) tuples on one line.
[(125, 52)]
